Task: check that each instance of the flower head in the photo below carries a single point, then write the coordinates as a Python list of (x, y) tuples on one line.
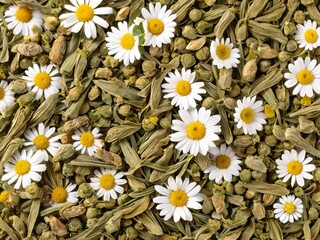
[(295, 165), (87, 141), (62, 194), (21, 19), (182, 89), (6, 96), (108, 182), (196, 132), (177, 198), (249, 115), (224, 54), (307, 35), (305, 76), (289, 209), (24, 167), (84, 14)]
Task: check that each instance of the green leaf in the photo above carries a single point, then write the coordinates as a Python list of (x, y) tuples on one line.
[(138, 30)]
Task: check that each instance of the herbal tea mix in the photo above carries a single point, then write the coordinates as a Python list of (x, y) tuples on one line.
[(132, 119)]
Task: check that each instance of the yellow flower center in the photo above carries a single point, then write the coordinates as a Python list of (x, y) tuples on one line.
[(24, 14), (183, 88), (1, 93), (247, 115), (107, 181), (41, 142), (223, 51), (155, 26), (84, 13), (42, 80), (268, 111), (289, 208), (305, 101), (311, 36), (22, 167), (196, 130), (59, 195), (178, 198), (4, 196), (154, 120), (87, 139), (127, 41), (222, 161), (305, 77), (294, 167)]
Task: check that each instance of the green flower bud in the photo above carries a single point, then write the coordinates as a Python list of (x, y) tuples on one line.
[(251, 150), (94, 116), (74, 225), (188, 60), (110, 62), (92, 222), (264, 149), (149, 68), (51, 23), (85, 190), (213, 225), (25, 63), (67, 170), (317, 174), (230, 103), (94, 93), (245, 175), (141, 82), (139, 226), (240, 188), (104, 73), (195, 15), (18, 225), (84, 109), (147, 125), (125, 110), (165, 123), (189, 32), (75, 93), (26, 99), (41, 227), (180, 44), (289, 28), (316, 197), (205, 74), (250, 194), (90, 201), (299, 16), (264, 65), (203, 53), (93, 212), (105, 111), (95, 61), (128, 71), (106, 98), (18, 86), (104, 50), (292, 45), (131, 233), (271, 140), (235, 91), (34, 191), (208, 102), (259, 176), (298, 191), (203, 27), (313, 213), (284, 56)]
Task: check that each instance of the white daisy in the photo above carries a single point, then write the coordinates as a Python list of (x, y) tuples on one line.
[(182, 89), (123, 44), (84, 13), (23, 168), (295, 165), (305, 74), (64, 194), (225, 164), (108, 182), (224, 54), (22, 19), (41, 139), (6, 96), (196, 132), (159, 25), (177, 198), (289, 209), (43, 80), (307, 35), (249, 115), (87, 141)]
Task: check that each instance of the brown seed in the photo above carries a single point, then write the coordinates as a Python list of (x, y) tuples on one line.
[(57, 50)]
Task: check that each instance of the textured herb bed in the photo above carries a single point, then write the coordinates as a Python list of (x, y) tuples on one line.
[(172, 120)]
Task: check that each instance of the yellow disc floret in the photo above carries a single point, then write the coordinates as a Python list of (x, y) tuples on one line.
[(127, 41), (84, 13), (247, 115), (289, 208), (222, 161), (59, 195), (268, 111), (305, 101), (294, 167), (305, 77), (87, 139), (1, 93), (223, 51), (24, 14), (155, 26), (22, 167), (196, 130), (107, 181), (178, 198), (154, 120), (41, 142), (4, 196), (42, 80), (311, 36), (183, 88)]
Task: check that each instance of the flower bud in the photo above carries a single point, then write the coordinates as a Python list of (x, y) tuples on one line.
[(240, 188), (189, 32), (149, 68), (85, 190), (125, 110), (34, 191), (264, 65), (203, 27), (147, 125), (18, 86), (305, 125), (258, 210), (195, 15), (249, 70), (93, 212), (51, 23), (104, 73), (203, 53), (245, 175), (131, 233), (75, 93), (180, 44), (165, 123), (40, 228), (122, 14), (67, 170), (299, 16), (94, 93), (292, 45), (188, 60), (74, 225), (284, 56), (313, 213), (289, 28), (208, 102), (110, 62)]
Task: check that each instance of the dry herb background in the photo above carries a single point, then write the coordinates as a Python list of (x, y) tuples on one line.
[(99, 91)]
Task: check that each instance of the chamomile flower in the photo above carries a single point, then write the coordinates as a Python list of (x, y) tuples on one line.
[(62, 194), (308, 35), (177, 198), (6, 96), (224, 54), (289, 209), (123, 44), (249, 115), (295, 165), (42, 140), (84, 14), (159, 25), (305, 76), (196, 132), (224, 164), (182, 89), (107, 183), (87, 141), (22, 19), (42, 80), (24, 167)]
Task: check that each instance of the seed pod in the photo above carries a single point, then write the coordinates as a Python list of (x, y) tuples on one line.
[(28, 49), (249, 70), (243, 141), (255, 163), (57, 227), (196, 44), (225, 78), (258, 210), (122, 14), (57, 50)]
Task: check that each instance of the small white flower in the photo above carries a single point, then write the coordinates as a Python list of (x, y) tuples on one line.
[(249, 115), (87, 141), (224, 54), (196, 132), (84, 14), (7, 98), (123, 44), (182, 89), (224, 164), (295, 165), (24, 168), (22, 19), (305, 75), (159, 25), (43, 80), (62, 194), (108, 182), (41, 140), (177, 198), (307, 35), (289, 209)]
